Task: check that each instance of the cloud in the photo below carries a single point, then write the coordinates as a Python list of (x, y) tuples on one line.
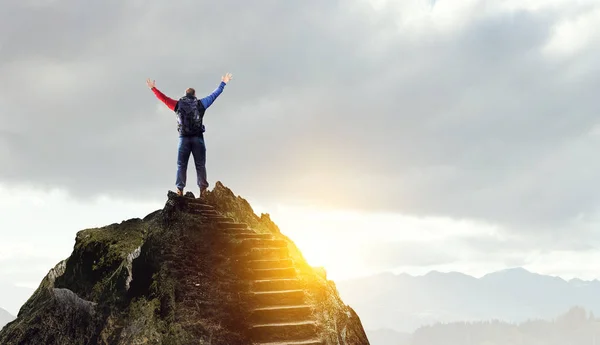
[(421, 107), (37, 229)]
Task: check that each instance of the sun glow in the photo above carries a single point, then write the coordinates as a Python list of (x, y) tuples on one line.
[(350, 244)]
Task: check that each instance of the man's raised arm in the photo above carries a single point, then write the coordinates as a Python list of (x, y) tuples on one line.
[(208, 100), (169, 102)]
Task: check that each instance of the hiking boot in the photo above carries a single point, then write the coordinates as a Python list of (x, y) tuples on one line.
[(179, 192), (202, 194)]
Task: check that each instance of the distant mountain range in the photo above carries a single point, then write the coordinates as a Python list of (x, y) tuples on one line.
[(404, 303), (575, 327), (5, 317), (13, 297)]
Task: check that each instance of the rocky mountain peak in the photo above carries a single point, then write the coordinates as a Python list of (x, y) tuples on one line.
[(194, 272)]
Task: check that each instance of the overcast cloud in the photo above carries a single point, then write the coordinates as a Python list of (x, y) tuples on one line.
[(482, 110)]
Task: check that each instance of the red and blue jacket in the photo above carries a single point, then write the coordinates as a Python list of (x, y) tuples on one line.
[(206, 101)]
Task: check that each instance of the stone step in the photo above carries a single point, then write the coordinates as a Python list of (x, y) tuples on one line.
[(201, 213), (232, 225), (273, 298), (276, 284), (251, 235), (270, 263), (215, 219), (266, 273), (200, 207), (239, 233), (218, 218), (281, 314), (210, 213), (266, 253), (295, 342), (196, 201), (283, 331), (264, 243)]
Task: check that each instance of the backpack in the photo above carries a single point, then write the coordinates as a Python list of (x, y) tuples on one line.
[(189, 116)]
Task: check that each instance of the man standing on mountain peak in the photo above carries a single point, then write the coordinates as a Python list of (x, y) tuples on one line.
[(190, 113)]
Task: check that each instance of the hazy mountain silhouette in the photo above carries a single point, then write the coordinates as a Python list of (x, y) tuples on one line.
[(12, 297), (404, 302), (575, 327), (5, 317), (388, 337)]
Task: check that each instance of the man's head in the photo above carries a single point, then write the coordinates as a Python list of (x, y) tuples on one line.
[(190, 92)]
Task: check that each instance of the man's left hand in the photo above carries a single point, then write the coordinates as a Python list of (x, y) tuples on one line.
[(227, 77)]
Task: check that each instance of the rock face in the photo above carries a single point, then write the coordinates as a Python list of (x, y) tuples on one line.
[(208, 272)]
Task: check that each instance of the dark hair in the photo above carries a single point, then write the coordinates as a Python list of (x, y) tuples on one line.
[(190, 92)]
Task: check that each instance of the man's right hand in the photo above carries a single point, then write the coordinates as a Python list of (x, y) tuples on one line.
[(151, 83)]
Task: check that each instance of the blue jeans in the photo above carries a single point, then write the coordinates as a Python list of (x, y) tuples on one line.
[(195, 146)]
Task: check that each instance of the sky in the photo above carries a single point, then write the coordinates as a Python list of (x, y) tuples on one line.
[(401, 136)]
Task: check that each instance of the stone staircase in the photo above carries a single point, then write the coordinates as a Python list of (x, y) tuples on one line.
[(279, 312)]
